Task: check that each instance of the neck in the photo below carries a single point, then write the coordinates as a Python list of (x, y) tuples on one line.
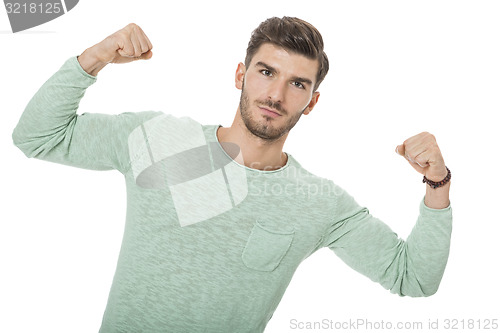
[(255, 152)]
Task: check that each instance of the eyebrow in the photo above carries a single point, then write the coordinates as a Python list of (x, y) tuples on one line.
[(272, 69)]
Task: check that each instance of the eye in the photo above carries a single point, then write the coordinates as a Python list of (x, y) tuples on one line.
[(298, 85), (266, 72)]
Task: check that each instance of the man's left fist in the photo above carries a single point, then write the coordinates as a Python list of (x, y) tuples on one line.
[(423, 154)]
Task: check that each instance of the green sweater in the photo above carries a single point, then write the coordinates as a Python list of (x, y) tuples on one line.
[(210, 245)]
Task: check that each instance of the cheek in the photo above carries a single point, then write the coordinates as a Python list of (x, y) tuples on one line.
[(299, 100), (256, 87)]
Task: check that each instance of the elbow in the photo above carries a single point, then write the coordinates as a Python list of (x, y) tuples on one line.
[(415, 294), (426, 293), (430, 291), (20, 141), (415, 283), (30, 145), (416, 289), (38, 143)]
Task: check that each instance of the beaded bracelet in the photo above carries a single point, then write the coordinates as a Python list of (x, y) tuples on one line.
[(438, 184)]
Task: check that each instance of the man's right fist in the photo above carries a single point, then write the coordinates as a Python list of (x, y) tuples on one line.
[(125, 45)]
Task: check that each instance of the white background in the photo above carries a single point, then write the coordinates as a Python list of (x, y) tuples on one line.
[(397, 68)]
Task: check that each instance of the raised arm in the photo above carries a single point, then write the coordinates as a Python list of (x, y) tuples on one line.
[(50, 129), (411, 267)]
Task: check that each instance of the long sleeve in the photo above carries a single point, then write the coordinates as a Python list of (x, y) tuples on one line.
[(51, 130), (409, 268)]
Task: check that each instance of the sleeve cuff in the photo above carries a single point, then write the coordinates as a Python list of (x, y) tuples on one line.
[(75, 65), (424, 208)]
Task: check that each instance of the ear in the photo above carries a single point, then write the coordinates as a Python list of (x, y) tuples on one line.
[(312, 103), (239, 77)]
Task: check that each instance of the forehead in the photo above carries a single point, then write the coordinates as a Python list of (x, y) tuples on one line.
[(286, 62)]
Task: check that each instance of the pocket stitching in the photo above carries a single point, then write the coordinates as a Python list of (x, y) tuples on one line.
[(257, 223), (285, 251)]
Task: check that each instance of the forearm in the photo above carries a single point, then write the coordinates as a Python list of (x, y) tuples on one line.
[(45, 120), (428, 246)]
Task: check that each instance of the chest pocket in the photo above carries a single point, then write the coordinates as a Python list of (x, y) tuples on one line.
[(266, 246)]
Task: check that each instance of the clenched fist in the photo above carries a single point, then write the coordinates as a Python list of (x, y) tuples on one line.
[(424, 155), (125, 45)]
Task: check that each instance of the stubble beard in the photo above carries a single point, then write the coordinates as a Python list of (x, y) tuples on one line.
[(265, 129)]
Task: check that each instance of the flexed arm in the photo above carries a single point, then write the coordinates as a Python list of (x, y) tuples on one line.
[(50, 129), (411, 267)]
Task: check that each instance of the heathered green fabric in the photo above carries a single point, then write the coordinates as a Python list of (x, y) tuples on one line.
[(227, 272)]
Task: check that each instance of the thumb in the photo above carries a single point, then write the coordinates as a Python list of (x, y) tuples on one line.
[(147, 55), (124, 53), (400, 150)]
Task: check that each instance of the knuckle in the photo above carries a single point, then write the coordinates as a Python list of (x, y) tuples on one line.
[(121, 35), (429, 136)]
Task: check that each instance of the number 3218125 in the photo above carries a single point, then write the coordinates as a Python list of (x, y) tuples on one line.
[(471, 324), (33, 8)]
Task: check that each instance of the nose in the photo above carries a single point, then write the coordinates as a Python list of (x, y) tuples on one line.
[(276, 92)]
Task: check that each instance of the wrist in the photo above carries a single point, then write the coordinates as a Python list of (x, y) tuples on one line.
[(90, 62), (439, 183), (437, 174)]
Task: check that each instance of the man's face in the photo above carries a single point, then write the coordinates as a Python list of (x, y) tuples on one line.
[(277, 88)]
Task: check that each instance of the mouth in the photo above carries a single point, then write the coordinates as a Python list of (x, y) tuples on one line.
[(270, 112)]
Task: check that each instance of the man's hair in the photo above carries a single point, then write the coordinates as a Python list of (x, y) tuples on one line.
[(293, 35)]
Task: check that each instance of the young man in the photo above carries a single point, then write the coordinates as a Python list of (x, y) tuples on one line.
[(219, 218)]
